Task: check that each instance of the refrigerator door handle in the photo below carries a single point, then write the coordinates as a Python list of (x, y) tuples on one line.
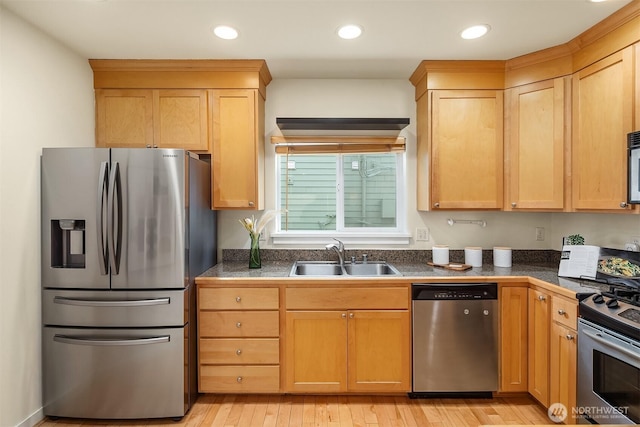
[(111, 303), (114, 223), (103, 183), (110, 341)]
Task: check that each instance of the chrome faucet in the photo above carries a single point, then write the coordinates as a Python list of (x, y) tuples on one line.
[(339, 248)]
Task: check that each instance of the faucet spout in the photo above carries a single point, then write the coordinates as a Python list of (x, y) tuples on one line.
[(339, 248)]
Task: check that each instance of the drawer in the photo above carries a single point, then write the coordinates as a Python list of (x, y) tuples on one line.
[(243, 351), (238, 298), (564, 312), (239, 379), (328, 298), (239, 324)]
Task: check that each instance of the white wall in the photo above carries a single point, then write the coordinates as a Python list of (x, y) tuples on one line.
[(46, 99), (395, 98)]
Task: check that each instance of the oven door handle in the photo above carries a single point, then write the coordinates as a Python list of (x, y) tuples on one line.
[(598, 338), (110, 342)]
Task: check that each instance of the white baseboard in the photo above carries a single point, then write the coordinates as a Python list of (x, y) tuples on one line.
[(33, 419)]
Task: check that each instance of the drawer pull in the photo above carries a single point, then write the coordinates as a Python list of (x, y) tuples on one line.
[(569, 337), (238, 352), (344, 315), (351, 316), (541, 298), (239, 380), (561, 312), (239, 324), (238, 299)]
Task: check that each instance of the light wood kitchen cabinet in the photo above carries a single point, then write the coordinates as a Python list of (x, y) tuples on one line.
[(603, 109), (513, 338), (537, 142), (466, 149), (347, 340), (539, 323), (563, 354), (238, 340), (237, 118), (162, 118)]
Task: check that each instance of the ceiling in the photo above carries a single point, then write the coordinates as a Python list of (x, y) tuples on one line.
[(298, 38)]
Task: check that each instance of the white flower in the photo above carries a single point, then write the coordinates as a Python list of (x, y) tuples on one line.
[(255, 227)]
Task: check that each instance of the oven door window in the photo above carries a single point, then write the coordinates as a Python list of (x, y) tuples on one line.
[(618, 383)]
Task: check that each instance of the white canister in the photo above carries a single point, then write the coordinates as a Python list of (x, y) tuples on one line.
[(440, 254), (501, 256), (473, 256)]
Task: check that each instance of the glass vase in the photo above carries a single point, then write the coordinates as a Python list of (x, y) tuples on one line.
[(254, 253)]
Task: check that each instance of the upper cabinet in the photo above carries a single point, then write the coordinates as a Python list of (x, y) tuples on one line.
[(556, 143), (209, 106), (603, 98), (536, 141), (237, 119), (460, 134), (138, 118)]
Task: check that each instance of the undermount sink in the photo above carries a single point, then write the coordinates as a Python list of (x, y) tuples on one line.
[(328, 268)]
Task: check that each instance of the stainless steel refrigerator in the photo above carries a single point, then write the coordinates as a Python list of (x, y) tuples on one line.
[(124, 233)]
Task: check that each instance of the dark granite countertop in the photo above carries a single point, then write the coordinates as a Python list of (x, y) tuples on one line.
[(410, 270)]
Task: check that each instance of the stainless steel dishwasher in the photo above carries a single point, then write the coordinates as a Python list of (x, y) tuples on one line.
[(455, 339)]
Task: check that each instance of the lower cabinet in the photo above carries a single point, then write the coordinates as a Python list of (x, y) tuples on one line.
[(238, 340), (513, 302), (362, 347), (563, 354), (538, 345)]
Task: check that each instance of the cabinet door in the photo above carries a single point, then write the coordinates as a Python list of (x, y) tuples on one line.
[(235, 149), (467, 152), (513, 339), (602, 116), (539, 324), (379, 351), (536, 147), (563, 351), (124, 118), (180, 119), (316, 351)]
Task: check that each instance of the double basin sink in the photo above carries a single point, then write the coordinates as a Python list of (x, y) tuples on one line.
[(327, 268)]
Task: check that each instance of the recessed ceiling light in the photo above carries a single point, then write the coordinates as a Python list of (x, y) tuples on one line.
[(225, 32), (475, 31), (349, 32)]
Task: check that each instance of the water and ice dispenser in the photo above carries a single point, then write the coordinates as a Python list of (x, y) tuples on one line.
[(68, 243)]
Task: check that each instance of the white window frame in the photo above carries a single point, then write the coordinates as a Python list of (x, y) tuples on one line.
[(349, 235)]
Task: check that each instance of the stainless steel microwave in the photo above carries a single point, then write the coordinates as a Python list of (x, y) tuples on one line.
[(633, 185)]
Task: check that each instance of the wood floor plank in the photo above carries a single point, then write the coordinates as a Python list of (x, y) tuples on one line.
[(338, 411)]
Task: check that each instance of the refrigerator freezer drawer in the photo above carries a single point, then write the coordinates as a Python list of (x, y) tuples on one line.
[(115, 373), (115, 308)]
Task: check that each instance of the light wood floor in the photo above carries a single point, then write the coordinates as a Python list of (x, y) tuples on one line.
[(340, 411)]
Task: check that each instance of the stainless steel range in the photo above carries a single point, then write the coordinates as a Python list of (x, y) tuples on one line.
[(609, 355)]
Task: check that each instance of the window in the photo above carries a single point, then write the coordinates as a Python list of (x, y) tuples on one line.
[(341, 195)]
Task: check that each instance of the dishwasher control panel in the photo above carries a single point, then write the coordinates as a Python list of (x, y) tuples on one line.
[(454, 291)]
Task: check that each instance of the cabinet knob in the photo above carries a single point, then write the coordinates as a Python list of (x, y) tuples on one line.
[(436, 205), (251, 204), (344, 315), (238, 324), (569, 337), (239, 379), (238, 299), (239, 352), (561, 312), (351, 316), (148, 145), (541, 298), (623, 205), (513, 204)]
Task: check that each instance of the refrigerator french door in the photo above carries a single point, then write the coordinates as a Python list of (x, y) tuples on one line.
[(124, 233)]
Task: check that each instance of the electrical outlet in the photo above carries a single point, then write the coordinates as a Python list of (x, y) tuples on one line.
[(263, 236), (539, 234), (422, 234)]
